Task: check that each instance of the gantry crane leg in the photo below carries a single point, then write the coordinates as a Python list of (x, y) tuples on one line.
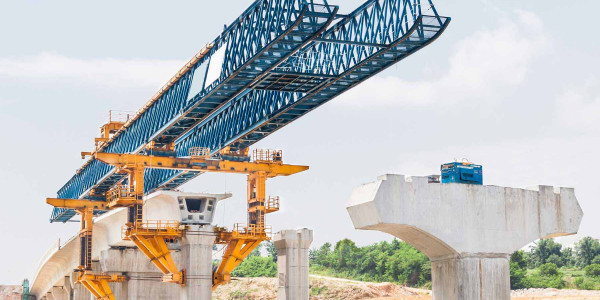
[(150, 237), (240, 243), (96, 284)]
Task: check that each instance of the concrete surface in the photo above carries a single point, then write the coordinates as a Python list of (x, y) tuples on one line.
[(292, 263), (61, 260), (468, 231), (196, 249)]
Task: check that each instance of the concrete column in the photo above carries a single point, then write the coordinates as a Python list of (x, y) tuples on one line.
[(79, 291), (471, 277), (196, 258), (292, 263), (140, 271), (68, 287), (467, 231), (49, 296), (59, 293)]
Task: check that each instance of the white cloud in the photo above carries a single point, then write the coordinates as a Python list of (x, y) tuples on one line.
[(579, 106), (103, 72), (483, 65)]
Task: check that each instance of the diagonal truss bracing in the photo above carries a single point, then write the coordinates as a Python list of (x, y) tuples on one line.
[(279, 61)]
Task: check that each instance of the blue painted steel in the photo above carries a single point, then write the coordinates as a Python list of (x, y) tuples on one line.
[(282, 60), (264, 36), (458, 172)]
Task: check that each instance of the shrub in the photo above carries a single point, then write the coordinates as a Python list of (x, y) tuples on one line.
[(517, 276), (555, 259), (584, 284), (592, 270), (549, 270)]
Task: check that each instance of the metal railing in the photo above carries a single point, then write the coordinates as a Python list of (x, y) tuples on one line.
[(200, 152), (153, 227), (120, 192), (272, 203), (263, 155), (119, 116)]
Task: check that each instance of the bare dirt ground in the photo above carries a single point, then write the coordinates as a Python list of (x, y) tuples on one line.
[(333, 288)]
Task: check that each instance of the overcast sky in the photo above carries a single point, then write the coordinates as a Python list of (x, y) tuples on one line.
[(512, 85)]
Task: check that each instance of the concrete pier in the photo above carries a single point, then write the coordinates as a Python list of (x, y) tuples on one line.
[(292, 263), (113, 255), (196, 249), (467, 231), (59, 293)]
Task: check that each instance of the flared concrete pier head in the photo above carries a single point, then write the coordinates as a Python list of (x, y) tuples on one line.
[(292, 263), (467, 231)]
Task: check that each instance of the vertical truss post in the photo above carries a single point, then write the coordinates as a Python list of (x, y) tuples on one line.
[(96, 284)]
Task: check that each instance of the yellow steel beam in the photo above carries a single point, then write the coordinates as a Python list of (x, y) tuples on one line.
[(98, 284), (129, 161), (237, 250), (77, 204)]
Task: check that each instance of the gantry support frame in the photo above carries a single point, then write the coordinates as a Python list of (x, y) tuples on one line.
[(152, 237), (240, 242), (96, 284)]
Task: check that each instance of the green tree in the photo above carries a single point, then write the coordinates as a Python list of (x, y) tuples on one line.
[(586, 249), (519, 258), (256, 266), (568, 257), (592, 270), (256, 251), (343, 254), (543, 250), (555, 259), (517, 276), (271, 250), (549, 270)]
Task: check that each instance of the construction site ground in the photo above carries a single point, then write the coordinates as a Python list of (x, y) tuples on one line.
[(334, 288)]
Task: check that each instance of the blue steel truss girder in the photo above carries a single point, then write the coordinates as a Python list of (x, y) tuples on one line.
[(268, 33), (262, 112), (348, 53)]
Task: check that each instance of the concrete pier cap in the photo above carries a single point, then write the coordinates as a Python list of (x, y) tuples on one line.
[(467, 231)]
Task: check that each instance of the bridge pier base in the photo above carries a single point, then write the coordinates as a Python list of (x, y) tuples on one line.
[(292, 263), (60, 293), (471, 277), (196, 256)]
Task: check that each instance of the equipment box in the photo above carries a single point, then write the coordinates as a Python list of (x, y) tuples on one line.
[(462, 172)]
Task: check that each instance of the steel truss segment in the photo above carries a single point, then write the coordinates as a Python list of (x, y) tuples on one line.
[(264, 36), (266, 94), (294, 89)]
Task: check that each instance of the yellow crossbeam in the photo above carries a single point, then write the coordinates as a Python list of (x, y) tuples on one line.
[(77, 204), (125, 161)]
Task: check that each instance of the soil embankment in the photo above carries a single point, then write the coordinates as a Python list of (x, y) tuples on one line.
[(333, 288)]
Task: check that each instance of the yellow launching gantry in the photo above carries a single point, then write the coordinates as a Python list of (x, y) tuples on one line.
[(151, 237), (96, 284)]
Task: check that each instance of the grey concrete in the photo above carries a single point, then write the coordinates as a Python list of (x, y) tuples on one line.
[(292, 263), (468, 231), (59, 293), (60, 260), (67, 285), (196, 249)]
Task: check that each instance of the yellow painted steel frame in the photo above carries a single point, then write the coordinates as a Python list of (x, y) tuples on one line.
[(96, 284), (150, 236), (240, 242), (237, 250)]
